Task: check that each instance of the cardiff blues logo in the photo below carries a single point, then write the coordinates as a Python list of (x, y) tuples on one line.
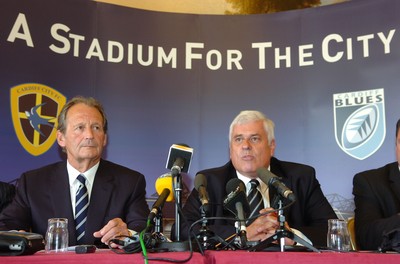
[(34, 110), (360, 122)]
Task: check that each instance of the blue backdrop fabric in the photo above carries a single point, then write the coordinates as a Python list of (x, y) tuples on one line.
[(168, 78)]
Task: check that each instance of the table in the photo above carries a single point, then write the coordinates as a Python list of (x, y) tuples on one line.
[(101, 256), (243, 257), (210, 257)]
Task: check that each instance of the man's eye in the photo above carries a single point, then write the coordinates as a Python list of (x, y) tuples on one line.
[(255, 139), (238, 140)]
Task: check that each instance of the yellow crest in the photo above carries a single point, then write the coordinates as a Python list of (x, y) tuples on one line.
[(34, 110)]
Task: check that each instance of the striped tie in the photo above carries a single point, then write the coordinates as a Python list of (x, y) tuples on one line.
[(81, 205), (255, 200)]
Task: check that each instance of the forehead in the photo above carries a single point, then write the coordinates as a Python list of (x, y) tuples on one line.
[(81, 112), (249, 128)]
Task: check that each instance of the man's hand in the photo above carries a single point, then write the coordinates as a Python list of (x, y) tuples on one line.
[(115, 227), (265, 226)]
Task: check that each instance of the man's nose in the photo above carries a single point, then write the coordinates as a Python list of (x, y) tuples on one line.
[(89, 133), (246, 144)]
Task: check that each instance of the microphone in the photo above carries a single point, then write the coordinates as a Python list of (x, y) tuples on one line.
[(200, 184), (158, 204), (272, 180), (164, 189), (165, 182), (179, 158), (237, 203), (233, 188)]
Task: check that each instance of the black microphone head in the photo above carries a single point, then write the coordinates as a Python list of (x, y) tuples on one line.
[(236, 194), (235, 184), (274, 181), (179, 155), (265, 175), (200, 180)]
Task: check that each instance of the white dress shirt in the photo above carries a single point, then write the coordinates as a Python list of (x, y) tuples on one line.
[(263, 188), (74, 183)]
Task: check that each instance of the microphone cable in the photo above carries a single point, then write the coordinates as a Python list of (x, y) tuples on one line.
[(271, 211), (142, 244), (229, 241), (144, 251)]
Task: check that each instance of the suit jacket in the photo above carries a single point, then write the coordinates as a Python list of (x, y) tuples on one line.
[(377, 204), (44, 193), (309, 214)]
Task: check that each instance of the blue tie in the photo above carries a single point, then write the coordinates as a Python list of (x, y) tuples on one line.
[(81, 206), (255, 200)]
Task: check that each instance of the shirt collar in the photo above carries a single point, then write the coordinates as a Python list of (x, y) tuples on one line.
[(246, 180), (89, 174)]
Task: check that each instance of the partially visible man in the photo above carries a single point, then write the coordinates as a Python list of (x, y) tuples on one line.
[(252, 146), (377, 201), (117, 204), (7, 192)]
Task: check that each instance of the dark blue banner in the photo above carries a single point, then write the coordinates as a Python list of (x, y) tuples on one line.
[(328, 78)]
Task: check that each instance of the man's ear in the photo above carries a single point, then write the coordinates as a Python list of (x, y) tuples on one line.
[(272, 146), (60, 139), (105, 140)]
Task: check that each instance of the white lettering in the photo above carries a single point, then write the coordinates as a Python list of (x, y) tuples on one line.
[(234, 57), (261, 46), (15, 33), (118, 56), (66, 44), (325, 48), (282, 57), (386, 40), (303, 54), (365, 40), (163, 57), (190, 55), (95, 50)]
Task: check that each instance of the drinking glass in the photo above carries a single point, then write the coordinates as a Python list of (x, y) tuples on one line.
[(57, 235), (338, 237)]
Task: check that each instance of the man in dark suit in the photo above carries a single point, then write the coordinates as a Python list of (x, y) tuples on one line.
[(377, 201), (252, 145), (7, 192), (117, 204)]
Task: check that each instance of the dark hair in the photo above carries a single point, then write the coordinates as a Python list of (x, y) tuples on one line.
[(89, 101), (397, 128)]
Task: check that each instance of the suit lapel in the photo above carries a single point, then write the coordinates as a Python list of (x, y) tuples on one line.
[(273, 195), (99, 201), (59, 192), (276, 168)]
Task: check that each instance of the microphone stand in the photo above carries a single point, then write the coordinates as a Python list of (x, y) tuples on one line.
[(206, 237), (205, 234), (157, 238), (177, 245), (158, 235), (177, 184), (157, 226), (280, 235), (241, 227)]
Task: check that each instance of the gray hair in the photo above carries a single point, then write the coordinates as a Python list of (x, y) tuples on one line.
[(89, 101), (252, 116)]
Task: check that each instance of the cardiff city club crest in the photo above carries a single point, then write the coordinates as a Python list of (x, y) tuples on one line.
[(360, 127), (34, 110)]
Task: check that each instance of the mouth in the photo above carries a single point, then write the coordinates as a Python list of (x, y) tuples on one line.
[(89, 146), (247, 157)]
